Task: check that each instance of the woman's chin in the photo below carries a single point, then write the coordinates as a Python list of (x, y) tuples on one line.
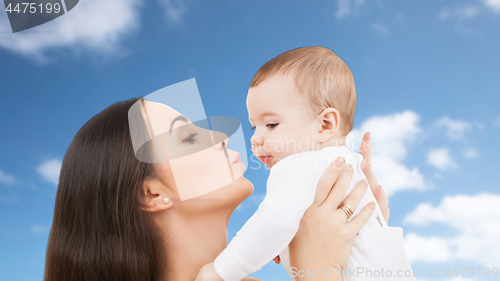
[(228, 197), (247, 186), (237, 191)]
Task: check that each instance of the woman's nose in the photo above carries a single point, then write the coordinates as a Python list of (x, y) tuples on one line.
[(219, 144), (256, 140)]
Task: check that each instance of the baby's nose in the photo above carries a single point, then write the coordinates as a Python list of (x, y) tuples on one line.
[(256, 140)]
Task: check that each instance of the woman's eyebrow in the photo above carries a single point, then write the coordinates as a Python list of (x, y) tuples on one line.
[(181, 118)]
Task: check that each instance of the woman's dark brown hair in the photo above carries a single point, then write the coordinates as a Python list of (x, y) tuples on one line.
[(99, 232)]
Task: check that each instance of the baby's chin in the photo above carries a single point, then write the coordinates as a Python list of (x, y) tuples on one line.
[(269, 165), (274, 161)]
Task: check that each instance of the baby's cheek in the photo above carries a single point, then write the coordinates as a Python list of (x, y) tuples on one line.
[(267, 147), (254, 157)]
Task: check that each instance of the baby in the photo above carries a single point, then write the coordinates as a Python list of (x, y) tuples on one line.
[(301, 105)]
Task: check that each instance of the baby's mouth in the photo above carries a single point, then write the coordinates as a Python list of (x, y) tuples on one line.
[(266, 159)]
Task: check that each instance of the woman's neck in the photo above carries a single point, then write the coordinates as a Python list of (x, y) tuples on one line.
[(192, 241)]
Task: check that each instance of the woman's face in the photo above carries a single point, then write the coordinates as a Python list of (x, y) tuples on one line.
[(198, 165)]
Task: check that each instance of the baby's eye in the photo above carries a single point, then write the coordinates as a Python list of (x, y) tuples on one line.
[(190, 139), (272, 125), (253, 128)]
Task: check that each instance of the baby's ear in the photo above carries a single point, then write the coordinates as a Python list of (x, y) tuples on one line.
[(329, 123)]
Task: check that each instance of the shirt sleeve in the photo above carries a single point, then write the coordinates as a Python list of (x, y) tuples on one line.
[(291, 187)]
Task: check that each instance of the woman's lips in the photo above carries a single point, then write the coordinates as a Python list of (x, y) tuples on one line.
[(238, 157), (237, 160)]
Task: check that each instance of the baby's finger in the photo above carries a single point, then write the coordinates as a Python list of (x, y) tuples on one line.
[(361, 218), (352, 200), (337, 194), (327, 181)]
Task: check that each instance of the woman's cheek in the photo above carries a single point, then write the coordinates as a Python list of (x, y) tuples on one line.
[(200, 173)]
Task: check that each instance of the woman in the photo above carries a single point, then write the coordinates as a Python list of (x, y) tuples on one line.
[(117, 218)]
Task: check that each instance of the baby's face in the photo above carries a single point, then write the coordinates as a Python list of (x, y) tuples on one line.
[(282, 122)]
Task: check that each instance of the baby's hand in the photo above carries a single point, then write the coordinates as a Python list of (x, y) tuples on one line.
[(208, 273)]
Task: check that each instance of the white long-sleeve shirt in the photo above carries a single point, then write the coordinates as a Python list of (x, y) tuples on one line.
[(291, 188)]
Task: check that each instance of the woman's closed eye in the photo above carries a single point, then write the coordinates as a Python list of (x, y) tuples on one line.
[(191, 138)]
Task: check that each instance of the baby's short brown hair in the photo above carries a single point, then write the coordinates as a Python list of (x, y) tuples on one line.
[(321, 76)]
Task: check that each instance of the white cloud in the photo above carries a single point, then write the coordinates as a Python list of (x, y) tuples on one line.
[(49, 170), (254, 199), (347, 7), (497, 122), (455, 128), (441, 159), (471, 153), (6, 178), (428, 249), (493, 4), (401, 20), (391, 135), (479, 125), (39, 229), (174, 10), (93, 25), (9, 199), (458, 12), (380, 28), (257, 198), (473, 217)]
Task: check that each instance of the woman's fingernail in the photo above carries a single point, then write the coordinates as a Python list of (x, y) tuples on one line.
[(340, 162), (364, 181), (372, 205), (349, 166)]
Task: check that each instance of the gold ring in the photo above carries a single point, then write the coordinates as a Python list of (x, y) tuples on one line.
[(346, 210)]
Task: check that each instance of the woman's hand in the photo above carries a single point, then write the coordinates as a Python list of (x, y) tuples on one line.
[(325, 237), (365, 149)]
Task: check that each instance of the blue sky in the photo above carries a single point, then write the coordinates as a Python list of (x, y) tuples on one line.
[(427, 79)]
